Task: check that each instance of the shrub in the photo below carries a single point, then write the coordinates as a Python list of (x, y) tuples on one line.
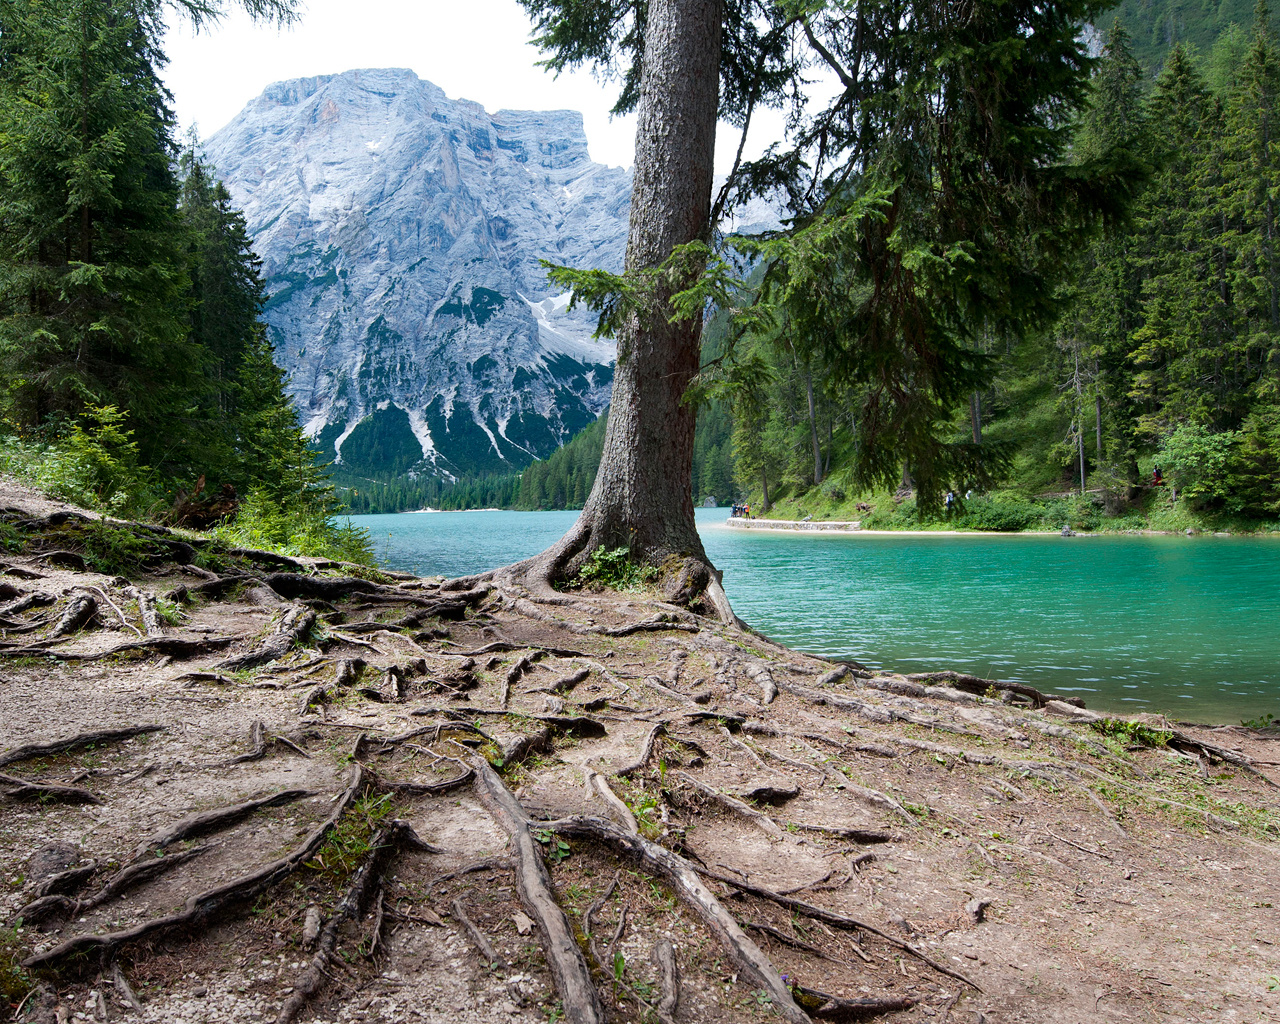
[(94, 465), (300, 528), (1198, 463), (1004, 514), (614, 568)]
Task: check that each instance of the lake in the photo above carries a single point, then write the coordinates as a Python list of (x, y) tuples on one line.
[(1190, 626)]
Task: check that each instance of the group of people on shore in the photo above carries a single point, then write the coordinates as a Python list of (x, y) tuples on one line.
[(741, 512)]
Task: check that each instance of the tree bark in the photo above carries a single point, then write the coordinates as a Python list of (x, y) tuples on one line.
[(975, 416), (643, 495), (813, 430)]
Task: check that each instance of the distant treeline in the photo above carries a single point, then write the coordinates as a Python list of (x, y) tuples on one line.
[(562, 480)]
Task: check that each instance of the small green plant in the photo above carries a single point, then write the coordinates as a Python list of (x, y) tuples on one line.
[(168, 612), (11, 538), (557, 848), (1273, 983), (614, 568), (1133, 733), (112, 550), (15, 982), (619, 966), (1261, 722), (351, 839)]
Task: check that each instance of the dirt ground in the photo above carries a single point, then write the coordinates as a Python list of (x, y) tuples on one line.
[(953, 846)]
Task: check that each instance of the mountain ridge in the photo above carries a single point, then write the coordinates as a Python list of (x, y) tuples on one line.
[(402, 234)]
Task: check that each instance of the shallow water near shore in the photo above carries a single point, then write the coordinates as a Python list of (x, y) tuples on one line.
[(1190, 626)]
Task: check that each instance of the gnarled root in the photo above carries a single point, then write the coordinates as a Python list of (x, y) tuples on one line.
[(294, 625), (205, 906), (682, 876), (83, 739), (569, 969), (364, 884)]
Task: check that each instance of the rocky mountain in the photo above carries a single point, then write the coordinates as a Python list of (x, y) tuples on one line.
[(401, 233)]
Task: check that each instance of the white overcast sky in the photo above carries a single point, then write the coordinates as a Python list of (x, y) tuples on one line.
[(472, 49)]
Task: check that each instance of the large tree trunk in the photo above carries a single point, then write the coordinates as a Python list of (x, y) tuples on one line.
[(643, 499)]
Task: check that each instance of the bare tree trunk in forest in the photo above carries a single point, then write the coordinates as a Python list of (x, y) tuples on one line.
[(643, 499), (1097, 422), (764, 482), (1080, 420), (975, 416), (813, 430), (831, 442)]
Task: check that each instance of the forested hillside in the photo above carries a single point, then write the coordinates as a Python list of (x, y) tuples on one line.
[(1165, 351), (1156, 26), (136, 372)]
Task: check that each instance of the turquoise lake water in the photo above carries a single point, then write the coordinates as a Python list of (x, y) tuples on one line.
[(1190, 626)]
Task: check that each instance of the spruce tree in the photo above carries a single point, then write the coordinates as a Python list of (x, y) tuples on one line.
[(92, 276)]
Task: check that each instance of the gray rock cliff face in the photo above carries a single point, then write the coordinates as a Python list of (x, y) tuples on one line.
[(401, 233)]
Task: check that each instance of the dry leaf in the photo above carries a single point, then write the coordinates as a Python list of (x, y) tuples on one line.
[(523, 924)]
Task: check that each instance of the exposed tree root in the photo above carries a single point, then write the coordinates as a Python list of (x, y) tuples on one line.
[(979, 687), (598, 785), (654, 625), (174, 647), (294, 625), (147, 610), (568, 968), (203, 907), (835, 918), (478, 938), (837, 1008), (79, 610), (122, 881), (258, 737), (83, 739), (366, 882), (522, 665), (26, 789), (689, 886), (762, 821), (664, 959), (218, 818), (646, 751)]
